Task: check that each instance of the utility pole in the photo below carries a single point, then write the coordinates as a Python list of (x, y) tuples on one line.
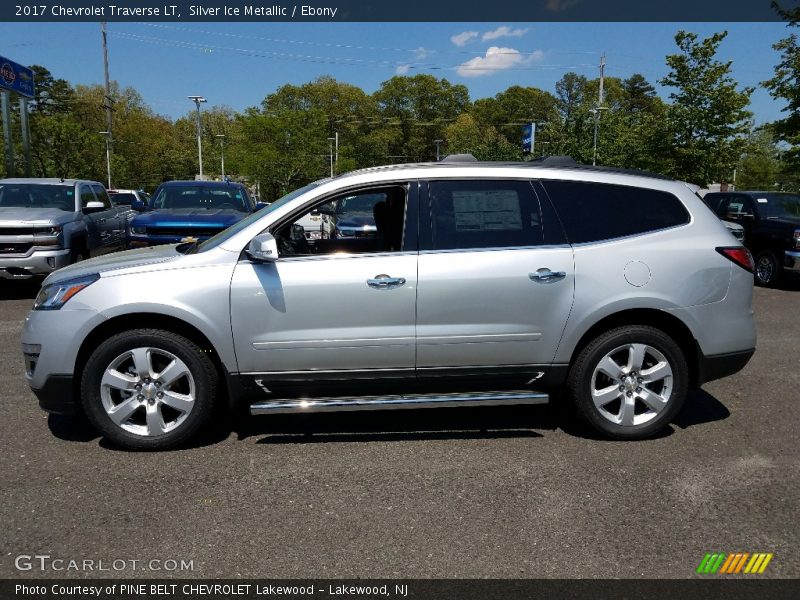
[(197, 100), (599, 107), (107, 99), (332, 140), (437, 142), (5, 108), (336, 160), (221, 137)]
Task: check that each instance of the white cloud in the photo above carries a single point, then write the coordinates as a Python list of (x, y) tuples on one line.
[(402, 69), (497, 59), (503, 31), (463, 38), (421, 53)]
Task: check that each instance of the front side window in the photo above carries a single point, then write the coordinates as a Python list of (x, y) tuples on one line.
[(484, 214), (102, 195), (87, 195), (354, 223), (592, 212), (779, 206)]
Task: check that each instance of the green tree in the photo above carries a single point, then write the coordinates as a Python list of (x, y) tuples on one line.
[(708, 116), (509, 110), (759, 167), (785, 85), (466, 135)]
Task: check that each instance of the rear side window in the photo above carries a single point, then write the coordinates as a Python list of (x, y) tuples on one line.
[(592, 212), (484, 214)]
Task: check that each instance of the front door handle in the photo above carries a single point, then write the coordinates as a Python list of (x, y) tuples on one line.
[(546, 275), (384, 282)]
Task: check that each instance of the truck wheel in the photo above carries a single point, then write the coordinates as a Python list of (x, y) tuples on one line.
[(629, 383), (77, 254), (148, 389), (768, 270)]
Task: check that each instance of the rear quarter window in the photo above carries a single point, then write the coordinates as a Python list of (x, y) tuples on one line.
[(592, 212)]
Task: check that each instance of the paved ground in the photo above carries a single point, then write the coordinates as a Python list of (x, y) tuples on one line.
[(444, 493)]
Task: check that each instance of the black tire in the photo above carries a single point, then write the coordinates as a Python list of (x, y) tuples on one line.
[(77, 254), (580, 381), (200, 367), (768, 269)]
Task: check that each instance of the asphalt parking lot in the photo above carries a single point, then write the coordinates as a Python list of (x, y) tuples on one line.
[(513, 492)]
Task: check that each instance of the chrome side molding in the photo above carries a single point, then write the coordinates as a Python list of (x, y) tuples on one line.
[(309, 405)]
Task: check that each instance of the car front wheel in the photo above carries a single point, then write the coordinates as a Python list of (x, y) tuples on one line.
[(629, 383), (767, 271), (148, 389)]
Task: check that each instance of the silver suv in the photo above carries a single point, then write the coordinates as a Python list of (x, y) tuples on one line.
[(484, 284)]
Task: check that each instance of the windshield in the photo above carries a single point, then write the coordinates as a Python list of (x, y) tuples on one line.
[(780, 206), (193, 197), (36, 195), (122, 197), (216, 240)]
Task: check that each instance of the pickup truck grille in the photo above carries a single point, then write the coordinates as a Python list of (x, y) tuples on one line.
[(16, 230), (183, 231), (14, 248)]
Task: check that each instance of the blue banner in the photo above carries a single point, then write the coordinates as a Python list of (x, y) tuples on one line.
[(16, 78)]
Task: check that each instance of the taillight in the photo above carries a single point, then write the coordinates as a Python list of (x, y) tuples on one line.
[(741, 256)]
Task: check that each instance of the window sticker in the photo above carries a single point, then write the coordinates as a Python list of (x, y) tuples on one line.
[(487, 210)]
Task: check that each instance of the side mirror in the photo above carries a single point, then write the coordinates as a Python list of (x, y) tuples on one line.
[(260, 205), (263, 248), (138, 206), (93, 207)]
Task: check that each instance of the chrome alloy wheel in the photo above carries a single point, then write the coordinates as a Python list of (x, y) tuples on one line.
[(147, 391), (632, 384), (765, 268)]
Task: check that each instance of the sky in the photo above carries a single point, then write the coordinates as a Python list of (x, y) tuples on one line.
[(238, 64)]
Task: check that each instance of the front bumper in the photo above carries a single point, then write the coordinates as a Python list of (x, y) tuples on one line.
[(57, 395), (791, 260), (37, 262)]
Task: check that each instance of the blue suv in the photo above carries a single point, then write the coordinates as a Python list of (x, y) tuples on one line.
[(188, 209)]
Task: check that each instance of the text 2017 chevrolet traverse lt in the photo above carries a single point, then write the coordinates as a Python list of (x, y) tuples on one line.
[(484, 284)]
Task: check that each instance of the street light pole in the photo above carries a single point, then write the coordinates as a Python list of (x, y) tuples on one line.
[(107, 135), (331, 140), (197, 100), (221, 137), (437, 142)]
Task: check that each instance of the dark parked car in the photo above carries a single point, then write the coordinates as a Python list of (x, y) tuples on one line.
[(188, 209), (771, 222)]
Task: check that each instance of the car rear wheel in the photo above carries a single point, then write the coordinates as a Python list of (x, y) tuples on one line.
[(629, 383), (767, 271), (148, 389)]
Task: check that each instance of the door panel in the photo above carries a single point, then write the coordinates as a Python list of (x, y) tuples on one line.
[(481, 308), (320, 314)]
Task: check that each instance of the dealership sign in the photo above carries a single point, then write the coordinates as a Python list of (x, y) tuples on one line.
[(16, 78)]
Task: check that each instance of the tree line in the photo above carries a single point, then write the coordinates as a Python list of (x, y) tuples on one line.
[(702, 133)]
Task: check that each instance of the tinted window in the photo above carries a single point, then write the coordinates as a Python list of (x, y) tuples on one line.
[(779, 206), (102, 195), (205, 196), (734, 207), (25, 195), (123, 198), (484, 214), (87, 196), (592, 212)]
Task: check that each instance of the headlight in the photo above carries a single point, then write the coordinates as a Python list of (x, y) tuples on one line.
[(55, 295), (55, 230), (139, 230)]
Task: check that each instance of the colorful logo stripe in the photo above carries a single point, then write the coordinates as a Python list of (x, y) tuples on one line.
[(734, 563)]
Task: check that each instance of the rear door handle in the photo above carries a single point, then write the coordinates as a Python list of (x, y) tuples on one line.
[(546, 275), (384, 282)]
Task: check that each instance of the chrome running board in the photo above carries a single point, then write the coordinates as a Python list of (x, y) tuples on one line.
[(311, 405)]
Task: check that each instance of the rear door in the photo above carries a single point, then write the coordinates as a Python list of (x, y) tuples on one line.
[(496, 281)]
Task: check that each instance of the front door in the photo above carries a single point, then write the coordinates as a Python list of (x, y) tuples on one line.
[(339, 308), (496, 281)]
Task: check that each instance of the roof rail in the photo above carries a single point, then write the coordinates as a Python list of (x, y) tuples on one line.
[(555, 161), (459, 158)]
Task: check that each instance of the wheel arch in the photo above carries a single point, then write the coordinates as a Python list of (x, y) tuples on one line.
[(145, 320), (659, 319)]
